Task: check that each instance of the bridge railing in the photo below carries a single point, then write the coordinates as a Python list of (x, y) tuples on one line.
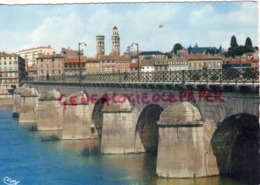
[(218, 76)]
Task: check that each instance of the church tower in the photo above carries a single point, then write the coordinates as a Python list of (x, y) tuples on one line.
[(115, 41), (100, 45)]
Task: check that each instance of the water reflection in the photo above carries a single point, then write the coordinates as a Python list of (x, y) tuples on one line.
[(134, 169)]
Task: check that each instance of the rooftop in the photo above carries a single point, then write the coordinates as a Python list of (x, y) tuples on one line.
[(36, 48)]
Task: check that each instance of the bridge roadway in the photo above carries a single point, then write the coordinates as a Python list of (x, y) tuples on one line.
[(196, 129)]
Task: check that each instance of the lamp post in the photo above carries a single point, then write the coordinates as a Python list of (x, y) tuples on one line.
[(138, 64), (80, 70)]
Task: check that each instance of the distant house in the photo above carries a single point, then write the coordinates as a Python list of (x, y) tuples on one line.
[(30, 55), (122, 63), (72, 65), (69, 53), (50, 65), (12, 70), (92, 66), (247, 60), (172, 64), (108, 64), (203, 62), (147, 55), (203, 50)]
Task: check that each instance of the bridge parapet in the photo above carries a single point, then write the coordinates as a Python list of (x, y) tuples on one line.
[(212, 76)]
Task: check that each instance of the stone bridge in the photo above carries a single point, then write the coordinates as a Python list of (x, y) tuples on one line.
[(196, 130)]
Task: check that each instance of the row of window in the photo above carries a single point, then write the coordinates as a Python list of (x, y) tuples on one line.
[(52, 60), (52, 65), (6, 63), (4, 58), (10, 80), (8, 74), (171, 63), (204, 64), (53, 72), (8, 68)]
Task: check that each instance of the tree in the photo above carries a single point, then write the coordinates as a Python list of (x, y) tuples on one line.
[(176, 47), (233, 42), (211, 51), (239, 50), (248, 42), (248, 45)]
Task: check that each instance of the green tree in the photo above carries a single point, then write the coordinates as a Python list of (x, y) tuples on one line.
[(248, 45), (240, 50), (210, 51), (176, 47), (233, 42), (248, 42)]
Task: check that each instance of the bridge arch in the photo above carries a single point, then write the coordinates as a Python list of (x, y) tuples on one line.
[(147, 128), (97, 116), (235, 144)]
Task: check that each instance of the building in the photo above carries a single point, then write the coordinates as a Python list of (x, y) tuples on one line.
[(147, 66), (149, 55), (203, 62), (50, 65), (30, 55), (100, 45), (12, 71), (171, 64), (204, 50), (92, 66), (72, 65), (108, 64), (69, 53), (115, 42), (123, 63)]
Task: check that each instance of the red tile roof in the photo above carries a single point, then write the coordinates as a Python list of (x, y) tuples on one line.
[(133, 65)]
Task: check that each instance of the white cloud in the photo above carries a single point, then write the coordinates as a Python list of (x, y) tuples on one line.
[(202, 15), (65, 26)]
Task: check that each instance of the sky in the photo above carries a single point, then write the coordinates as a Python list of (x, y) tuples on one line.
[(154, 26)]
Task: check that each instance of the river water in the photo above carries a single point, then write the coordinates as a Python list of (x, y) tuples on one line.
[(26, 158)]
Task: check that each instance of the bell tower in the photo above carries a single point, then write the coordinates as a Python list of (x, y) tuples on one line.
[(115, 41), (100, 45)]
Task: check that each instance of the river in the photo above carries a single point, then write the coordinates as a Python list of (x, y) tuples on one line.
[(28, 160)]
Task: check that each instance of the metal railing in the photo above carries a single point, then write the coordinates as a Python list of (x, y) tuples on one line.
[(210, 76)]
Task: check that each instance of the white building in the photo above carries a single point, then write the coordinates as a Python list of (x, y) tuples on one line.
[(31, 54), (12, 71)]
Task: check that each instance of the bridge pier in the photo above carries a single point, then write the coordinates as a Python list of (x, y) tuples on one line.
[(28, 106), (50, 112), (17, 101), (119, 129), (77, 118), (182, 150)]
